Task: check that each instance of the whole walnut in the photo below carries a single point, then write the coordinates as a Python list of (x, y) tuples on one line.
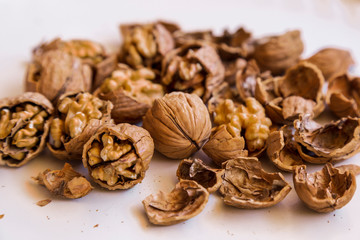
[(179, 123)]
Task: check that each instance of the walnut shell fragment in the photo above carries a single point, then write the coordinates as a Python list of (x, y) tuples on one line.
[(77, 117), (209, 178), (186, 200), (179, 123), (131, 92), (326, 190), (334, 141), (65, 182), (193, 68), (247, 185), (117, 156), (24, 127)]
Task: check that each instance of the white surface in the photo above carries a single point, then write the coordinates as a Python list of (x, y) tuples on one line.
[(120, 215)]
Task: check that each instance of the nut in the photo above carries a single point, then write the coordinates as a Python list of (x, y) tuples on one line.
[(179, 123), (131, 92), (65, 182), (24, 127), (209, 178), (117, 156), (77, 117), (186, 200), (246, 185)]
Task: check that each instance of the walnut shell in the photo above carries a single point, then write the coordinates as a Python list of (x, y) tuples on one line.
[(19, 126), (247, 185), (186, 200), (179, 123), (326, 190), (120, 163)]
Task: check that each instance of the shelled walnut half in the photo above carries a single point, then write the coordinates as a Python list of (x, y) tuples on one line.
[(65, 182), (131, 92), (117, 156), (77, 117), (186, 200), (24, 127)]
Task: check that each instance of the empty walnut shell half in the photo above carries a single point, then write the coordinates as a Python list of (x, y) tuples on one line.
[(209, 178), (332, 142), (278, 53), (117, 156), (246, 185), (326, 190), (186, 200), (193, 68), (24, 127), (179, 123), (131, 92), (65, 182), (77, 117)]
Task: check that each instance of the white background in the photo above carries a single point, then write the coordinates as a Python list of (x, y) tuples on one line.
[(120, 215)]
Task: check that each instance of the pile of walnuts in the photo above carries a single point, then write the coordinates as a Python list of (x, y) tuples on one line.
[(233, 96)]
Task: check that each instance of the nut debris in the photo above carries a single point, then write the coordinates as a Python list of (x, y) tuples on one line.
[(43, 203)]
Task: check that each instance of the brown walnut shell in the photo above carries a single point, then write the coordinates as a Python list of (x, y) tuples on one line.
[(326, 190), (11, 126), (179, 123), (247, 185), (186, 200)]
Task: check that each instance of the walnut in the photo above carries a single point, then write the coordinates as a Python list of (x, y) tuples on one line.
[(77, 117), (193, 68), (278, 53), (24, 127), (117, 156), (334, 141), (326, 190), (56, 72), (65, 182), (131, 92), (186, 200), (332, 62), (179, 123), (145, 45), (209, 178), (247, 185)]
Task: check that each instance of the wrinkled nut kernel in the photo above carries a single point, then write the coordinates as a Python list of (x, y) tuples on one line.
[(186, 200), (131, 92), (246, 185), (117, 156), (209, 178), (193, 68), (77, 117), (65, 182), (326, 190), (24, 127), (179, 123)]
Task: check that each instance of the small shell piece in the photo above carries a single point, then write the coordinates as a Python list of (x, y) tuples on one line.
[(24, 127), (117, 156), (65, 182), (209, 178), (247, 185), (179, 123), (186, 200), (326, 190)]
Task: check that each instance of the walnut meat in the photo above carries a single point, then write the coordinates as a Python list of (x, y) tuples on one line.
[(326, 190), (24, 127), (131, 92), (209, 178), (117, 156), (65, 182), (77, 117), (186, 200), (247, 185), (179, 123)]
